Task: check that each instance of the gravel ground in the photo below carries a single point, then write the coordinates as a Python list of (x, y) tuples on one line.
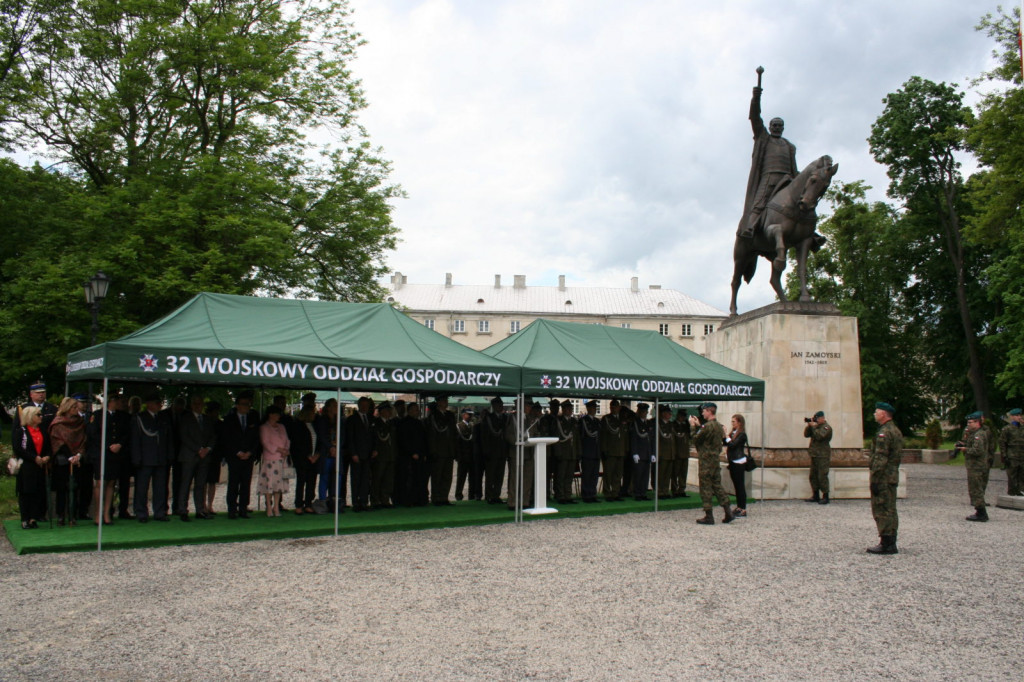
[(788, 593)]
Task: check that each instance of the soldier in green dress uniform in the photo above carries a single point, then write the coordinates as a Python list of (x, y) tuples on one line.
[(681, 465), (886, 451), (614, 442), (666, 452)]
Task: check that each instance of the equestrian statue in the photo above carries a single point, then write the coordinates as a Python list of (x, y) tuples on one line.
[(779, 208)]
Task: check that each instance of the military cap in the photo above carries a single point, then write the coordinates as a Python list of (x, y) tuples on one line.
[(590, 403), (443, 396), (709, 405), (642, 406), (1015, 411), (496, 400), (974, 416), (614, 402), (40, 385), (665, 408), (885, 406), (384, 406), (81, 397), (682, 411), (553, 402), (309, 397), (819, 413), (535, 406)]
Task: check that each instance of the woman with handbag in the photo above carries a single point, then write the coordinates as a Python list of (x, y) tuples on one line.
[(735, 449), (32, 448)]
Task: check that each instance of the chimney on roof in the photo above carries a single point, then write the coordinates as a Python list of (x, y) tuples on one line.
[(497, 281), (634, 284), (561, 282), (519, 282), (397, 280), (654, 286), (447, 279)]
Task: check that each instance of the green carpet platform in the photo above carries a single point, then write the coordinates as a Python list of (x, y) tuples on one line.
[(126, 534)]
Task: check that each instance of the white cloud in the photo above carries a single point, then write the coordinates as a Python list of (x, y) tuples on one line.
[(603, 140)]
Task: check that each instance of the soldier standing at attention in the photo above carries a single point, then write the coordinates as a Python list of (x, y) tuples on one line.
[(567, 453), (886, 451), (666, 452), (1011, 446), (681, 466), (465, 461), (495, 449), (590, 452), (708, 439), (531, 421), (442, 435), (382, 467), (613, 449), (820, 433), (641, 449), (976, 459)]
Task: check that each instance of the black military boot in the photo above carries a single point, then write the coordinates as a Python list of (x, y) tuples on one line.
[(824, 499), (887, 545), (708, 519), (979, 515), (728, 513), (813, 498)]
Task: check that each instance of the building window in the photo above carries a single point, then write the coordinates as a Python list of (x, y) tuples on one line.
[(428, 323), (458, 326), (483, 326), (513, 327), (663, 328), (687, 330), (625, 325), (708, 328)]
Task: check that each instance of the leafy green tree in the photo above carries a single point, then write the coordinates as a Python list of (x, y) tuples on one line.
[(997, 139), (919, 137), (197, 146), (856, 272)]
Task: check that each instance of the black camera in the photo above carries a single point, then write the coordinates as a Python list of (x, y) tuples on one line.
[(808, 420)]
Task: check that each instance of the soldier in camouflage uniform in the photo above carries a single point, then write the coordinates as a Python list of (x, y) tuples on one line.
[(977, 460), (886, 452), (681, 465), (1011, 447), (614, 443), (708, 440), (666, 452), (820, 451)]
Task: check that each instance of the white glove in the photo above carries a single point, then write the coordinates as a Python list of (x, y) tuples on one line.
[(653, 459), (636, 459)]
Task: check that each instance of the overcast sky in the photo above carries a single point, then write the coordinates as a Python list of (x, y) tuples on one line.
[(605, 140)]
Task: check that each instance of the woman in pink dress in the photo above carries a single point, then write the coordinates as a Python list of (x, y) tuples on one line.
[(274, 439)]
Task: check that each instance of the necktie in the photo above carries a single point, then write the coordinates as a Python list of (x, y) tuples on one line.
[(243, 421)]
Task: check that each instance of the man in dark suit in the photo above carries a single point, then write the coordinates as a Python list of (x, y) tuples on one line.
[(151, 452), (241, 447), (115, 448), (413, 467), (359, 448), (173, 414), (196, 439)]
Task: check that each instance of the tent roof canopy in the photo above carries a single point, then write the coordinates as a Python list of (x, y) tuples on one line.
[(244, 340), (590, 360)]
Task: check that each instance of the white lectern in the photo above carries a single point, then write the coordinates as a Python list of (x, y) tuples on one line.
[(540, 476)]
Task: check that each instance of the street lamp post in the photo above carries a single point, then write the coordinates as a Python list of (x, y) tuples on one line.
[(95, 291)]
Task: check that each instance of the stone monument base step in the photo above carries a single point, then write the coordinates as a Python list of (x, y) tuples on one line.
[(792, 483), (1010, 501)]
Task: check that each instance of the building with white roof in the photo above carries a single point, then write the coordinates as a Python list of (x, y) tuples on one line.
[(478, 315)]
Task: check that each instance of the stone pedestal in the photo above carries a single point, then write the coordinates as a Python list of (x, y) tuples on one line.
[(809, 357)]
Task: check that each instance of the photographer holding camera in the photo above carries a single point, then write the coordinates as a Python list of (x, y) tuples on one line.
[(820, 450)]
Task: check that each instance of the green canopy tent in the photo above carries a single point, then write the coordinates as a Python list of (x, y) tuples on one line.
[(591, 360), (243, 340), (596, 361)]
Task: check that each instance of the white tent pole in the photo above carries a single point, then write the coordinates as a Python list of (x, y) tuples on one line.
[(337, 462), (657, 451), (103, 466)]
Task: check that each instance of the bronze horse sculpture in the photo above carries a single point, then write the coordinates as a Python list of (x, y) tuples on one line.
[(788, 221)]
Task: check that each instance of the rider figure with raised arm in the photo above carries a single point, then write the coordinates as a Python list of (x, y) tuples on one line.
[(773, 161)]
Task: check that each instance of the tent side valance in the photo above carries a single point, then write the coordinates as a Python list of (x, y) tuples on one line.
[(587, 360), (243, 340)]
